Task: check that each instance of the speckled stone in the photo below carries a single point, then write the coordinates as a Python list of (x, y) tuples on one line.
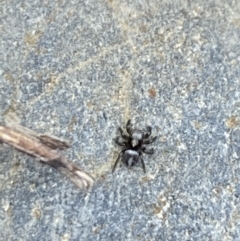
[(80, 69)]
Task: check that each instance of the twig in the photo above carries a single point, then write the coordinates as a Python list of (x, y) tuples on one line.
[(42, 146)]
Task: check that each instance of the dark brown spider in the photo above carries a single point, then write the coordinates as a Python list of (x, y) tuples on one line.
[(133, 145)]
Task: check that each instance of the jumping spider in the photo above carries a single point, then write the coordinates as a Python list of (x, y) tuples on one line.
[(133, 146)]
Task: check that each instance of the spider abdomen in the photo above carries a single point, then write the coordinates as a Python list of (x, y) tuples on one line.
[(130, 158)]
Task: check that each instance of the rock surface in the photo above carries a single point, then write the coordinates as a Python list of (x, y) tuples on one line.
[(80, 69)]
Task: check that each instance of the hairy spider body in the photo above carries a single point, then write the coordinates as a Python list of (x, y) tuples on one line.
[(130, 157), (133, 146)]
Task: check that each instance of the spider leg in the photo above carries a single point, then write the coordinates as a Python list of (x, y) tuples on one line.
[(143, 164), (116, 162), (148, 132), (129, 127), (149, 152), (123, 135), (149, 141), (117, 141)]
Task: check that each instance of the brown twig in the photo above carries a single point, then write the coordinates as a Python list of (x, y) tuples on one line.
[(42, 146)]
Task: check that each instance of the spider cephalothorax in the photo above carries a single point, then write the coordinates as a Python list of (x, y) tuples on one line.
[(133, 145)]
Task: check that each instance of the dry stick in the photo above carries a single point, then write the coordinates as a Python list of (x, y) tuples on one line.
[(42, 146)]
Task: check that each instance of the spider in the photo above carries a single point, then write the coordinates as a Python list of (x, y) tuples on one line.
[(133, 146)]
